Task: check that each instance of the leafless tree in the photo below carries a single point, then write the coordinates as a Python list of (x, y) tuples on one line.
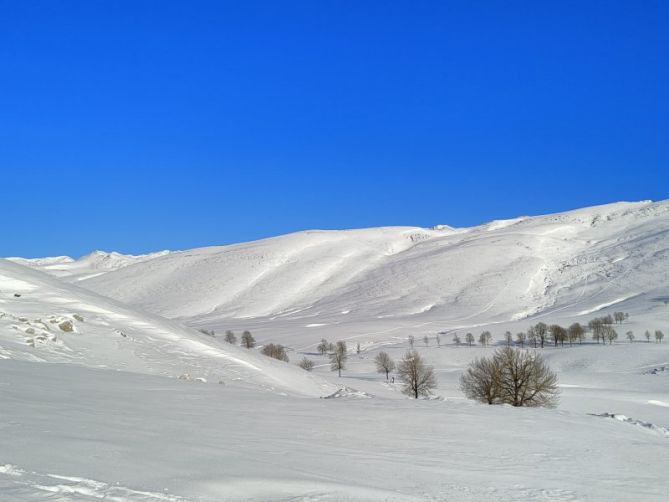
[(247, 340), (558, 334), (324, 347), (659, 336), (384, 363), (609, 333), (437, 339), (520, 339), (469, 338), (481, 380), (532, 336), (485, 338), (357, 348), (541, 330), (575, 332), (275, 351), (411, 341), (418, 378), (456, 340), (630, 336), (338, 357), (597, 327), (306, 364), (619, 317), (647, 335), (230, 337), (509, 338), (525, 379), (426, 340), (511, 376)]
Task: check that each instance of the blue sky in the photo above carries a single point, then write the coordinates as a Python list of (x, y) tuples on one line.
[(138, 126)]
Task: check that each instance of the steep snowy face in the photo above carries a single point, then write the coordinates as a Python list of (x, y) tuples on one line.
[(501, 271), (45, 319)]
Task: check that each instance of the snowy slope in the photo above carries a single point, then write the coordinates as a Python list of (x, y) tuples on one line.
[(91, 265), (76, 434), (46, 319), (113, 422), (568, 265)]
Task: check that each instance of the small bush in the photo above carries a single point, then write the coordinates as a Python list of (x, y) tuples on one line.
[(275, 351), (78, 317), (306, 364)]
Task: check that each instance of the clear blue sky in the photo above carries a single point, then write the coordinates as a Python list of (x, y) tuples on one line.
[(138, 126)]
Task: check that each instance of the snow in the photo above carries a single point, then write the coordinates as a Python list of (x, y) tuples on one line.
[(135, 404)]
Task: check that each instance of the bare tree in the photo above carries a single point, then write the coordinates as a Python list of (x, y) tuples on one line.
[(418, 378), (597, 327), (558, 334), (338, 357), (481, 380), (508, 337), (485, 338), (647, 335), (247, 340), (230, 337), (525, 379), (411, 341), (511, 376), (520, 339), (575, 332), (275, 351), (630, 336), (437, 339), (610, 333), (532, 336), (659, 336), (456, 340), (323, 347), (541, 330), (306, 364), (384, 363), (470, 339), (619, 317), (357, 348), (426, 340)]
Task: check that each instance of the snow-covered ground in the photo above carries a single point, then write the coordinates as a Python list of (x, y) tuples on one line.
[(100, 412)]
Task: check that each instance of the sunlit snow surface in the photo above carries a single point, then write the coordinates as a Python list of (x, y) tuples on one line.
[(135, 407)]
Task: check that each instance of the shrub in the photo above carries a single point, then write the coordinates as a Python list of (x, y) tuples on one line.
[(511, 376), (306, 364), (275, 351)]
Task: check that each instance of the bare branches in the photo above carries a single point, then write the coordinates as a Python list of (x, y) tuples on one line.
[(511, 376), (384, 364), (418, 378)]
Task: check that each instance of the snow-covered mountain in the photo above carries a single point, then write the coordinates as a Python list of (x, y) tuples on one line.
[(121, 329), (91, 265), (567, 265)]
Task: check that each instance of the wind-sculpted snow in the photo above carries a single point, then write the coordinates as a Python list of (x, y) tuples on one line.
[(53, 321), (71, 433), (348, 283), (144, 408)]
